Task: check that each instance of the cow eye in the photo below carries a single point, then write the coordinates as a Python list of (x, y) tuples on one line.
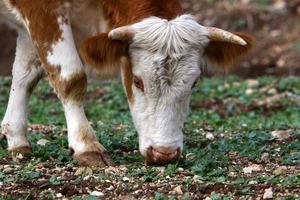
[(138, 82)]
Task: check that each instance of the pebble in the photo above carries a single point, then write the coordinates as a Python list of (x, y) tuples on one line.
[(280, 170), (137, 192), (210, 136), (265, 156), (180, 169), (252, 182), (59, 195), (178, 190), (110, 188), (249, 91), (281, 135), (83, 171), (97, 194), (268, 193), (272, 91), (42, 142), (126, 179), (252, 83), (252, 168), (19, 156)]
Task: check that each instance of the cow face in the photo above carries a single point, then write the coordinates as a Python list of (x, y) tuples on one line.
[(164, 60)]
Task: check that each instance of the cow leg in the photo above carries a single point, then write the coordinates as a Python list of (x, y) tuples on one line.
[(26, 73), (70, 84), (51, 32)]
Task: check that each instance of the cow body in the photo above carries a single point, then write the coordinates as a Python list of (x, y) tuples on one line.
[(158, 50)]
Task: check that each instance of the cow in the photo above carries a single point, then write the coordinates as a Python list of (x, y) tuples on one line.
[(159, 51)]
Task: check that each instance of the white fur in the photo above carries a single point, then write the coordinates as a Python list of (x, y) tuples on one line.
[(63, 53), (77, 125), (167, 56), (25, 71)]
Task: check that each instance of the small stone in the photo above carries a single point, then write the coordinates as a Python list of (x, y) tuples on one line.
[(252, 83), (59, 195), (137, 192), (282, 135), (210, 136), (110, 188), (97, 194), (272, 91), (249, 91), (236, 84), (252, 168), (19, 156), (252, 182), (42, 142), (265, 156), (178, 190), (268, 194), (207, 198), (180, 169), (280, 170), (84, 171), (87, 177), (111, 170), (126, 179)]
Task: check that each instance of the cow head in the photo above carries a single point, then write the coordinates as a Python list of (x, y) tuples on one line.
[(161, 62)]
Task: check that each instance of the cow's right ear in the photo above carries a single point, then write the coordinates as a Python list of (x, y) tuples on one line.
[(102, 53)]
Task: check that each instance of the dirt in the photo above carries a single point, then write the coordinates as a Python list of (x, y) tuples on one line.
[(275, 28)]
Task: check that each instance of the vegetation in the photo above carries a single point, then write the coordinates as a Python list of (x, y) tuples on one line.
[(232, 148)]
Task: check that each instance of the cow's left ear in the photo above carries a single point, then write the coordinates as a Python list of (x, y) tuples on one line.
[(102, 53), (225, 53)]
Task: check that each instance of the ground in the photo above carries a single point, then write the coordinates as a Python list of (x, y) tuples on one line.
[(242, 141)]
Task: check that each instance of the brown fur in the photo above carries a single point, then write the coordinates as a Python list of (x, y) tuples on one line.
[(43, 26), (224, 54), (121, 13), (45, 31), (102, 53), (128, 79), (74, 88)]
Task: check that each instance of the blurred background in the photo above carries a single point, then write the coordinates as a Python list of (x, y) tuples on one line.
[(275, 24)]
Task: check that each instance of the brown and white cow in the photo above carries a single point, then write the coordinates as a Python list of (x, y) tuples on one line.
[(159, 51)]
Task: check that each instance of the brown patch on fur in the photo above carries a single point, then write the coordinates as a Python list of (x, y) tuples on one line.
[(44, 30), (102, 53), (121, 13), (43, 25), (73, 88), (127, 76), (224, 54)]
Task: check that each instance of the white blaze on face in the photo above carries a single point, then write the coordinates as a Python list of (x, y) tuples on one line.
[(166, 55)]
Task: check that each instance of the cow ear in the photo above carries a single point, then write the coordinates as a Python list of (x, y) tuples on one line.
[(102, 53), (223, 54)]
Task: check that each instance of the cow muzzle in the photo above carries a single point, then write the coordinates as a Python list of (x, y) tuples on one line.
[(162, 155)]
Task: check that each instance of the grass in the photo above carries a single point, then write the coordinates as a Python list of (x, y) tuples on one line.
[(227, 108)]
